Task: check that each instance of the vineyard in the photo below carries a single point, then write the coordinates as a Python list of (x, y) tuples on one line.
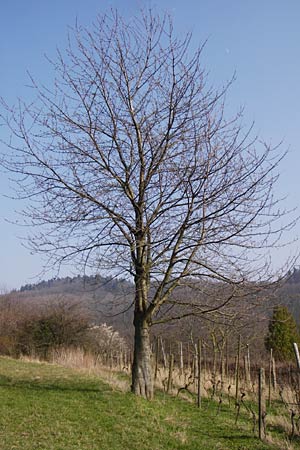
[(265, 396)]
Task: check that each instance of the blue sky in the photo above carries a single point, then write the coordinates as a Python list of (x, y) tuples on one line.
[(257, 40)]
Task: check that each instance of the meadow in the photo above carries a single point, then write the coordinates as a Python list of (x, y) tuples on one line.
[(49, 407)]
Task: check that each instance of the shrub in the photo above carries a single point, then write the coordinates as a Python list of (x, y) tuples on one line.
[(105, 341), (59, 325)]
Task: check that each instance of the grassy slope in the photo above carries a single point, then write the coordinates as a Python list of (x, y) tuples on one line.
[(48, 407)]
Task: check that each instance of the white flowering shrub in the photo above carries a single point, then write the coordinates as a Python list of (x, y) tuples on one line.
[(104, 339)]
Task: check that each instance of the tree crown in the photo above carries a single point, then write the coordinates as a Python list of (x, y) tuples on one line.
[(132, 165)]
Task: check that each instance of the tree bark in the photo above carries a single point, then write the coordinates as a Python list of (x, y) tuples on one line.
[(142, 376)]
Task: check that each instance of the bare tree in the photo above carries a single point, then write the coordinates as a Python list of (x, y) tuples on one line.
[(131, 166)]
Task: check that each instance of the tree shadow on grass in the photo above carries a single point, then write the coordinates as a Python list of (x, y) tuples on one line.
[(7, 382), (238, 437)]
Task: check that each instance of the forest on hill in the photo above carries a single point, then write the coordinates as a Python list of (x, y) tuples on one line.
[(110, 300), (103, 299)]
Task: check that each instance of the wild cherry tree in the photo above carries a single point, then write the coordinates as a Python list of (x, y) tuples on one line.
[(130, 165)]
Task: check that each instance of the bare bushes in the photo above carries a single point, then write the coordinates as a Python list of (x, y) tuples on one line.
[(54, 327), (39, 330), (12, 315), (31, 329)]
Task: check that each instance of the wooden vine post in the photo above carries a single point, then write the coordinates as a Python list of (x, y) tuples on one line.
[(163, 353), (296, 350), (227, 360), (188, 357), (237, 371), (181, 368), (171, 364), (199, 373), (270, 377), (248, 365), (196, 366), (274, 374), (261, 402), (156, 358)]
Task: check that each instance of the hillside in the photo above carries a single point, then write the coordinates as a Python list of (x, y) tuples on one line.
[(109, 300), (104, 299)]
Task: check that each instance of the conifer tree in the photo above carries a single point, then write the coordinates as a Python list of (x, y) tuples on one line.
[(282, 333)]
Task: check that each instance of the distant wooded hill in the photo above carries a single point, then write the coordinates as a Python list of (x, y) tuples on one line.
[(106, 299), (80, 284), (110, 300), (294, 276)]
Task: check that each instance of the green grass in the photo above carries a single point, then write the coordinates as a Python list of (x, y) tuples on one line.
[(52, 408)]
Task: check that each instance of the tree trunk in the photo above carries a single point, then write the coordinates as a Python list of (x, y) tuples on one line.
[(142, 376)]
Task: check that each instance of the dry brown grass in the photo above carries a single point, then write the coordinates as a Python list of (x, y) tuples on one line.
[(87, 363)]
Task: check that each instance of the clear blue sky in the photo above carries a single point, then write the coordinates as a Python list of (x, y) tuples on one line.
[(259, 40)]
